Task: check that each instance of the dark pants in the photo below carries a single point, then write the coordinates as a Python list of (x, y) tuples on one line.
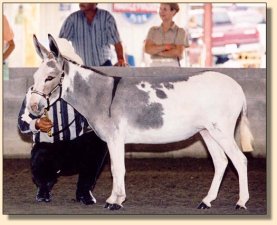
[(84, 155), (107, 63)]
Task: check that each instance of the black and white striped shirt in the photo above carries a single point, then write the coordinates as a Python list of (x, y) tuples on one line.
[(91, 41), (61, 114)]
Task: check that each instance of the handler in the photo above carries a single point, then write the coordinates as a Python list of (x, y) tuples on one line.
[(67, 150)]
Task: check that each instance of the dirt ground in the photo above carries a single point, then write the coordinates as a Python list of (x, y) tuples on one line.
[(153, 186)]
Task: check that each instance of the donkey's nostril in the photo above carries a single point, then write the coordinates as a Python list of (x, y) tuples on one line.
[(34, 107)]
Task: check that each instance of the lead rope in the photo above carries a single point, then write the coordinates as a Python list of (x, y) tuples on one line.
[(50, 134)]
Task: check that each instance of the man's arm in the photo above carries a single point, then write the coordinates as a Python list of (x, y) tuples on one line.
[(9, 49), (26, 121), (114, 39), (67, 29), (119, 53)]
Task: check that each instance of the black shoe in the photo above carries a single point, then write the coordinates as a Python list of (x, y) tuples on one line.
[(43, 195), (85, 197)]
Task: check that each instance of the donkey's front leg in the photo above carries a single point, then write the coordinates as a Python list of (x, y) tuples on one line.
[(118, 196)]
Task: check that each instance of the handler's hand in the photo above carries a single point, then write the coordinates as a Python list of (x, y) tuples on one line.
[(121, 63), (43, 124)]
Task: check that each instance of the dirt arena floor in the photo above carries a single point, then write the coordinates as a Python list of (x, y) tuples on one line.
[(153, 186)]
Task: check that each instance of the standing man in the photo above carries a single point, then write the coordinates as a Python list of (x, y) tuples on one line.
[(91, 31)]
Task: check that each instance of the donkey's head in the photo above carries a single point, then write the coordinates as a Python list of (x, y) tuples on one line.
[(47, 79)]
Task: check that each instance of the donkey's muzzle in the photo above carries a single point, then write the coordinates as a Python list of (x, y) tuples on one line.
[(36, 109)]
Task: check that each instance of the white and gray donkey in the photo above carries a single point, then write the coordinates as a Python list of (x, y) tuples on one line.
[(149, 109)]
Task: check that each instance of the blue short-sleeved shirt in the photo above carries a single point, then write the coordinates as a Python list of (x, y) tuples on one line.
[(91, 41)]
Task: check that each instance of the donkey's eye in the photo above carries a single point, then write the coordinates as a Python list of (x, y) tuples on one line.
[(49, 78)]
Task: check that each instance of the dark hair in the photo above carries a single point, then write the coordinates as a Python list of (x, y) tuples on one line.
[(173, 6)]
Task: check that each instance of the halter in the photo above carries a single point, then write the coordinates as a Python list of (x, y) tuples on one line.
[(50, 134), (47, 96)]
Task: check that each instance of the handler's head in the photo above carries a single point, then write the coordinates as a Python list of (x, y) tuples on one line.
[(88, 6)]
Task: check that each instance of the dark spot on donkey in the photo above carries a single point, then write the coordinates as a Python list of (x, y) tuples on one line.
[(142, 113), (150, 116), (161, 94)]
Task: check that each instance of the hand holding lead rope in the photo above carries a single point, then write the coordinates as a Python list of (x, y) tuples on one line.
[(44, 124)]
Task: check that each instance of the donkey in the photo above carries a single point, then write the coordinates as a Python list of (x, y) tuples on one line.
[(149, 109)]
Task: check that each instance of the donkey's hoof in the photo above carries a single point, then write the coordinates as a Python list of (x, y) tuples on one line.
[(203, 206), (112, 206), (239, 207)]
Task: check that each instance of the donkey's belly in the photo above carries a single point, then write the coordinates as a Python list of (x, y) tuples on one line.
[(164, 134), (163, 122)]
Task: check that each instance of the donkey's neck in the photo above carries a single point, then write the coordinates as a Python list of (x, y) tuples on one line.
[(89, 93)]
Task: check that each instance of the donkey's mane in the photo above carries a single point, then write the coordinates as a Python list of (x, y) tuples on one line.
[(86, 67), (68, 51), (69, 54), (109, 75)]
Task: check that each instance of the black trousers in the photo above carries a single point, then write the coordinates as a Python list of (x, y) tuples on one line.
[(107, 63), (84, 155)]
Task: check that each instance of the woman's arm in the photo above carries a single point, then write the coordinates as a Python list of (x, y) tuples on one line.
[(174, 52), (152, 48)]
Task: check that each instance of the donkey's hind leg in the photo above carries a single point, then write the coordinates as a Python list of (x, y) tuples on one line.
[(226, 140), (220, 163)]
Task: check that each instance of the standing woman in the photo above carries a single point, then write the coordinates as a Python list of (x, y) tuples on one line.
[(166, 43)]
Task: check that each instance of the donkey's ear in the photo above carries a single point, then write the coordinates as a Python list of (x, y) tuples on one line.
[(53, 46), (41, 51)]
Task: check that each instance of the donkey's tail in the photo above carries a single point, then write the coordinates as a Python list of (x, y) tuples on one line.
[(246, 137)]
